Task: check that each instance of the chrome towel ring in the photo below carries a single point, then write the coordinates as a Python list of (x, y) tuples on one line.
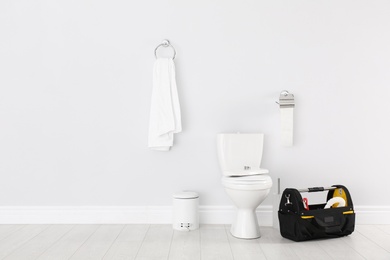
[(165, 43)]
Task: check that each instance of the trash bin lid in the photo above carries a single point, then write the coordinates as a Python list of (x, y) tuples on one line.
[(185, 195)]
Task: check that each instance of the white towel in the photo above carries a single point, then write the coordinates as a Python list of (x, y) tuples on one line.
[(165, 117)]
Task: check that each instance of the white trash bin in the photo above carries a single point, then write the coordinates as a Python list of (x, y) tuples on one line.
[(185, 211)]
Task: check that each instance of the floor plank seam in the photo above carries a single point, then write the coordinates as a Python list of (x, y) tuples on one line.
[(170, 244), (259, 246), (112, 243), (143, 240), (373, 241), (227, 237), (23, 244), (200, 243), (353, 249), (55, 242), (70, 257), (13, 232)]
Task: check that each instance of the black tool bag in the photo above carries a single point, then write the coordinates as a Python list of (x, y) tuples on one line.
[(299, 222)]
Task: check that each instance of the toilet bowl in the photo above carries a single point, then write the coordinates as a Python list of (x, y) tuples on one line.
[(244, 181)]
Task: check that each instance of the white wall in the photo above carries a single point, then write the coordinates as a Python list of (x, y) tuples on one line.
[(75, 88)]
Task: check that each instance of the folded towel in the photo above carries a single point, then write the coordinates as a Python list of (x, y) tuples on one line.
[(165, 118)]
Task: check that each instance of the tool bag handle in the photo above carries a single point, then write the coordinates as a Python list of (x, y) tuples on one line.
[(316, 189)]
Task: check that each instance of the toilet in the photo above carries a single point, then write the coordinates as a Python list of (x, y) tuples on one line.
[(246, 184)]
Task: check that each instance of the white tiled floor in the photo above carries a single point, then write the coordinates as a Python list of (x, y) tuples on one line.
[(56, 242)]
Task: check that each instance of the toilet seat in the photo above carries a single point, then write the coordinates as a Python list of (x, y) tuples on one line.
[(251, 182), (246, 172)]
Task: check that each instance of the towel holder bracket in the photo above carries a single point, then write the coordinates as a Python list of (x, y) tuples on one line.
[(165, 43)]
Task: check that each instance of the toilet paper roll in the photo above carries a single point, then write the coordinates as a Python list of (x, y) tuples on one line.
[(287, 125), (332, 201)]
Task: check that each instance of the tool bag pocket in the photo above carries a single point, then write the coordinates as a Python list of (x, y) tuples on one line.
[(300, 223)]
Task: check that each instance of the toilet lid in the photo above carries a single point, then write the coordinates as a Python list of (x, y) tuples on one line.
[(185, 195), (248, 180)]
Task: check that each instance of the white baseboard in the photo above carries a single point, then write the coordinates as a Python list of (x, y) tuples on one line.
[(153, 215), (85, 215), (374, 215)]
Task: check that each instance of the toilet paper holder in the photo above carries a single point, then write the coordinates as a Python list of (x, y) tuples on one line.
[(286, 99)]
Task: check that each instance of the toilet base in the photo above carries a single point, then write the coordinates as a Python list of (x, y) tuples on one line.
[(245, 225)]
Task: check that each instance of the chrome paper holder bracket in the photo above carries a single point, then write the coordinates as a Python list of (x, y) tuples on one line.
[(286, 100)]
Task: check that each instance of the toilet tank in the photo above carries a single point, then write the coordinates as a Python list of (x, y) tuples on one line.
[(240, 154)]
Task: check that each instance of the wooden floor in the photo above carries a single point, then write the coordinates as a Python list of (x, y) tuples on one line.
[(56, 242)]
